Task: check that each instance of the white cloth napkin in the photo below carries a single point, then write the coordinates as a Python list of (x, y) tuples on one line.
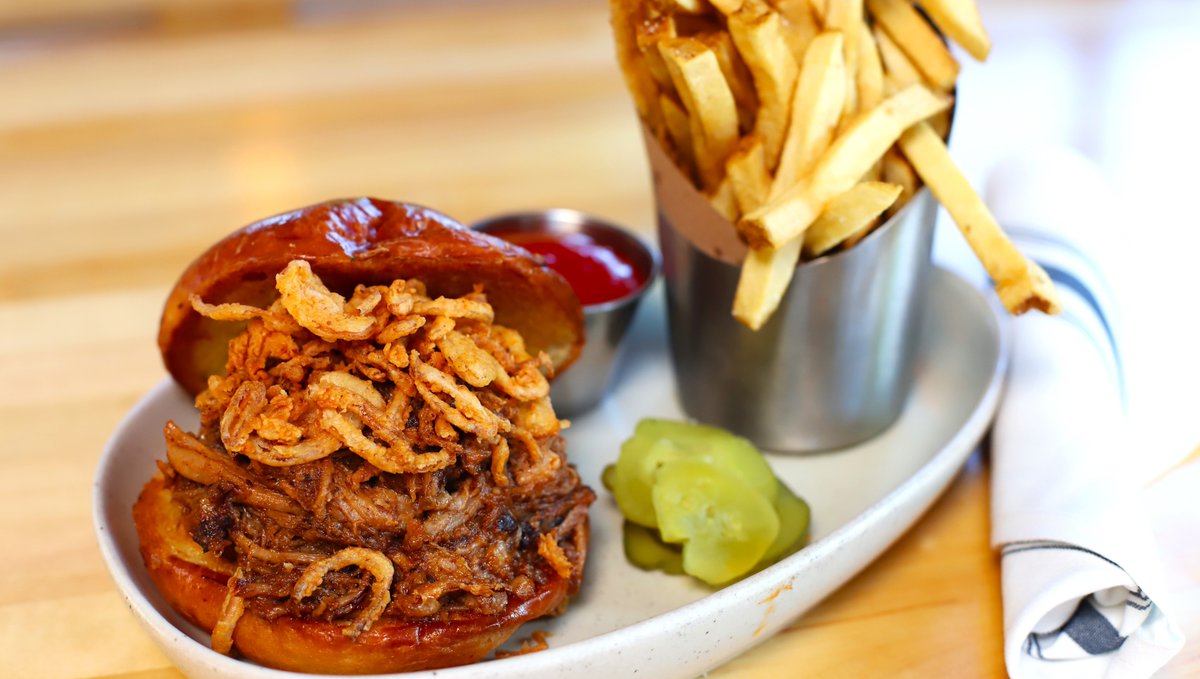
[(1080, 570)]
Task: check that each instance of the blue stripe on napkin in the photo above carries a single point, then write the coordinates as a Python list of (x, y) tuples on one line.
[(1088, 627)]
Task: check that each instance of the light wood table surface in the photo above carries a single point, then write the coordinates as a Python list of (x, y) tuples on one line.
[(125, 152)]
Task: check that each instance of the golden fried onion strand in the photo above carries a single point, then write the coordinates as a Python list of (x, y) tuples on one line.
[(369, 560), (316, 308), (311, 449), (467, 413), (398, 458), (347, 403), (231, 611), (229, 311), (553, 554), (339, 409), (473, 365), (500, 463), (455, 308)]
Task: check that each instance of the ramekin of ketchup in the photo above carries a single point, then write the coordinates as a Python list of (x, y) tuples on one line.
[(610, 270)]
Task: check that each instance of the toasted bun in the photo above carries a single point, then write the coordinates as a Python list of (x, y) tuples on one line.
[(372, 242), (194, 584)]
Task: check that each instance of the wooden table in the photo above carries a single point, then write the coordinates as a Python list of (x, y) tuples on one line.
[(124, 153)]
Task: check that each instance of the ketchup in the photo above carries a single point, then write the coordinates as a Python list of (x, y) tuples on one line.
[(596, 272)]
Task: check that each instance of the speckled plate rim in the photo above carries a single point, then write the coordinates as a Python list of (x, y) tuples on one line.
[(683, 642)]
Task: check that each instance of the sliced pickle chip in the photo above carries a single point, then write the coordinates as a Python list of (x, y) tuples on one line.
[(608, 477), (724, 525), (657, 442), (646, 551), (794, 521)]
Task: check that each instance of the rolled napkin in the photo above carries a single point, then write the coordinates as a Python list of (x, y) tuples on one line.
[(1081, 575)]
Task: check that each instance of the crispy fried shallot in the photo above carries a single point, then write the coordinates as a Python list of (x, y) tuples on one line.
[(231, 611), (317, 309), (500, 463), (386, 454), (466, 412), (553, 554), (536, 643), (314, 448), (397, 459), (231, 311), (473, 365), (370, 561), (462, 307)]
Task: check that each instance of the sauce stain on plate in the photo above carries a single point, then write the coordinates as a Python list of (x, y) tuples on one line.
[(770, 601)]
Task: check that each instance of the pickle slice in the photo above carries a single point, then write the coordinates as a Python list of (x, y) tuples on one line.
[(656, 442), (608, 477), (794, 522), (647, 552), (724, 525)]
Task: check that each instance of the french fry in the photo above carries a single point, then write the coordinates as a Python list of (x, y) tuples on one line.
[(848, 158), (799, 25), (709, 102), (764, 278), (724, 201), (898, 69), (747, 173), (870, 70), (896, 170), (626, 16), (845, 16), (758, 34), (741, 83), (1020, 283), (809, 122), (816, 107), (649, 33), (818, 8), (941, 124), (872, 88), (866, 229), (679, 132), (959, 20), (727, 7), (848, 214), (919, 41), (842, 14)]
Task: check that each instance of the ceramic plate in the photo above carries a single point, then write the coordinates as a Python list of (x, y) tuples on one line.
[(627, 622)]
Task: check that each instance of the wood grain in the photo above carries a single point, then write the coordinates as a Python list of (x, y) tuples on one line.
[(123, 155), (171, 15)]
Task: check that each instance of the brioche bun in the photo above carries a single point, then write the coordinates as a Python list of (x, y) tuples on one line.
[(365, 241), (346, 242)]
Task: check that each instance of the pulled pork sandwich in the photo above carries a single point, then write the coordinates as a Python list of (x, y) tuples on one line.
[(377, 482)]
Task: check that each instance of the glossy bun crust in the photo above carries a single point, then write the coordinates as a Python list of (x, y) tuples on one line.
[(372, 242), (194, 584)]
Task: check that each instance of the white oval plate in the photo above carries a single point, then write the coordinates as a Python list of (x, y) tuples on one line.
[(625, 621)]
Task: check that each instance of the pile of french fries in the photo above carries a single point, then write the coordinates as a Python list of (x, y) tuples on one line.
[(807, 123)]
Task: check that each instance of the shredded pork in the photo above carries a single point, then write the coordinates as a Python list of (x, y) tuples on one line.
[(389, 454)]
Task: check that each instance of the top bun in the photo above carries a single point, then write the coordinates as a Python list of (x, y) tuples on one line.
[(371, 242)]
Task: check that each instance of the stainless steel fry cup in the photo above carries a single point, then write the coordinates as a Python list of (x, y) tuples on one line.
[(834, 364), (582, 386)]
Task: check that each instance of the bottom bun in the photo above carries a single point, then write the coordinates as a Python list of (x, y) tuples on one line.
[(194, 584)]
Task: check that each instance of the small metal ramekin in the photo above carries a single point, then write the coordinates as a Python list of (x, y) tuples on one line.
[(832, 367), (583, 385)]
